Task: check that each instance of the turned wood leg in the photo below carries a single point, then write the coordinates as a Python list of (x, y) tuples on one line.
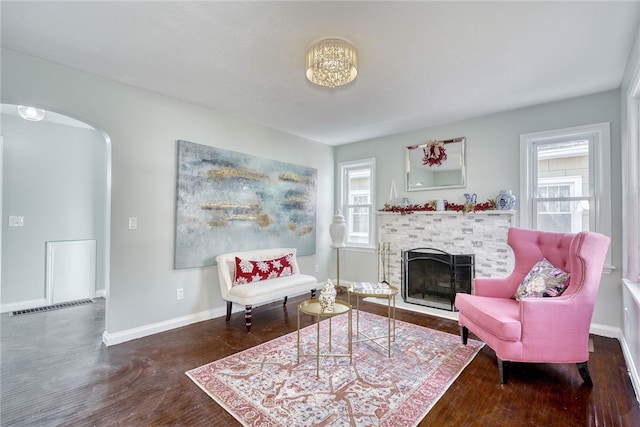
[(313, 293), (285, 301), (464, 333), (583, 369), (503, 369), (228, 310), (247, 317)]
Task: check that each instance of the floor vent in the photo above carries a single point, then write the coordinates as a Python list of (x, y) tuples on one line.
[(52, 307)]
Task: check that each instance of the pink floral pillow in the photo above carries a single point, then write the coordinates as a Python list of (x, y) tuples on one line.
[(248, 271), (543, 280)]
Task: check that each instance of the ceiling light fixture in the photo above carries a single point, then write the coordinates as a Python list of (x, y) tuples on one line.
[(31, 113), (332, 62)]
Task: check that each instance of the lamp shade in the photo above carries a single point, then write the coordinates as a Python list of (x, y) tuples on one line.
[(332, 62)]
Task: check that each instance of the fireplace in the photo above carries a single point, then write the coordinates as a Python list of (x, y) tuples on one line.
[(432, 277)]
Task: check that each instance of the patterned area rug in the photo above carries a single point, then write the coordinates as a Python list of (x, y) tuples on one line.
[(265, 386)]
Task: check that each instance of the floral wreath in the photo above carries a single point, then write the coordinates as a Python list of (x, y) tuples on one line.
[(434, 153)]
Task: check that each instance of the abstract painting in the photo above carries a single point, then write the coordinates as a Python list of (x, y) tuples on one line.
[(229, 201)]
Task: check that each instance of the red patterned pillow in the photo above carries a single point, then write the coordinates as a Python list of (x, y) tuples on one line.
[(248, 271)]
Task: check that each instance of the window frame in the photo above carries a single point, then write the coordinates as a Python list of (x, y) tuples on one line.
[(345, 205), (599, 135)]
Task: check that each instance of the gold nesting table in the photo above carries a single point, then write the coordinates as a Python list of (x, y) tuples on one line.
[(359, 291), (312, 307)]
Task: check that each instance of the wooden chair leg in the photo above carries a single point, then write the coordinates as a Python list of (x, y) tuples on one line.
[(285, 301), (228, 310), (464, 333), (247, 317), (313, 293), (503, 369), (583, 369)]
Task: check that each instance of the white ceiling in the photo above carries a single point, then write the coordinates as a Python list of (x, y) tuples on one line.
[(420, 63)]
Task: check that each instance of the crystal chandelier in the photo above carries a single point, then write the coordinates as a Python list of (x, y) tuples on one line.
[(332, 62)]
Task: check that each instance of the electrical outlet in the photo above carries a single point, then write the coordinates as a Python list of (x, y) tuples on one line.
[(179, 294), (317, 269), (133, 223)]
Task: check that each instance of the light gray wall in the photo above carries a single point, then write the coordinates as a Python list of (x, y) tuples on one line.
[(143, 128), (54, 176), (493, 156)]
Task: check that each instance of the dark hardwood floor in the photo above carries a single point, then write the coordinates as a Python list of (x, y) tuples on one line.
[(56, 371)]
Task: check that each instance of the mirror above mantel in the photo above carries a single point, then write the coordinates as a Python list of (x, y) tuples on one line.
[(436, 164)]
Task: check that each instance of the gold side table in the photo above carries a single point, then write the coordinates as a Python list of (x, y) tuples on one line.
[(390, 296), (312, 307)]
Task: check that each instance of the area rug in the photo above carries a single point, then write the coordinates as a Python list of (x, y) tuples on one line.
[(265, 385)]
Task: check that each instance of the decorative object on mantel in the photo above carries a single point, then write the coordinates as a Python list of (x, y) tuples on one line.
[(470, 198), (434, 153), (393, 193), (431, 206), (441, 204), (506, 201)]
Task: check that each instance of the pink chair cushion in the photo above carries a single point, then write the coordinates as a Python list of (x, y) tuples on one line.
[(498, 316)]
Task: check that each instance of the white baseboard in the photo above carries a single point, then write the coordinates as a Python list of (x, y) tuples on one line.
[(23, 305), (154, 328), (605, 331)]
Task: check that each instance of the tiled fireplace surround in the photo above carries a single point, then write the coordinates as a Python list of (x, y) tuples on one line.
[(481, 233)]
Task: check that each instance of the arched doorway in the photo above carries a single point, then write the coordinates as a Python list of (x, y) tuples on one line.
[(55, 189)]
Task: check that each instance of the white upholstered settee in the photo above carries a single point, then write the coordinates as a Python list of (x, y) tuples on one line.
[(249, 293)]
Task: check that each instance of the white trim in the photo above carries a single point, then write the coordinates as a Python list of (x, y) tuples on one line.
[(154, 328), (342, 202), (1, 211), (630, 182)]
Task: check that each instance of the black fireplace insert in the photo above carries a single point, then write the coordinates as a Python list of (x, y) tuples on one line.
[(432, 277)]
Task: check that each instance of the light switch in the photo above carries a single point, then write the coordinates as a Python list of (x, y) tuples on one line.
[(133, 223), (16, 221)]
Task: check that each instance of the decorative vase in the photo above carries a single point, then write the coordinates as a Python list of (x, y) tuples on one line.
[(506, 201), (338, 231), (327, 297)]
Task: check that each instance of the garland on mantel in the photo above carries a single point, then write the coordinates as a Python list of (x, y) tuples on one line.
[(489, 205)]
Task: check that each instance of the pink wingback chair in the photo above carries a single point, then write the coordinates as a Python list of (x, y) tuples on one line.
[(538, 330)]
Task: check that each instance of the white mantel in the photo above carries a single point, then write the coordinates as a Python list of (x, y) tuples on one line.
[(483, 234)]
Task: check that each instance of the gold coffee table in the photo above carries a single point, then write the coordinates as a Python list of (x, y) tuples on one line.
[(312, 307), (389, 294)]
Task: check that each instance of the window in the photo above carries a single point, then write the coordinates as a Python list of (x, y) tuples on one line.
[(565, 180), (357, 201), (560, 213)]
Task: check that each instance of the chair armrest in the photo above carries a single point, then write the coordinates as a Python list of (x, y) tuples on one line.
[(496, 287), (557, 323)]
